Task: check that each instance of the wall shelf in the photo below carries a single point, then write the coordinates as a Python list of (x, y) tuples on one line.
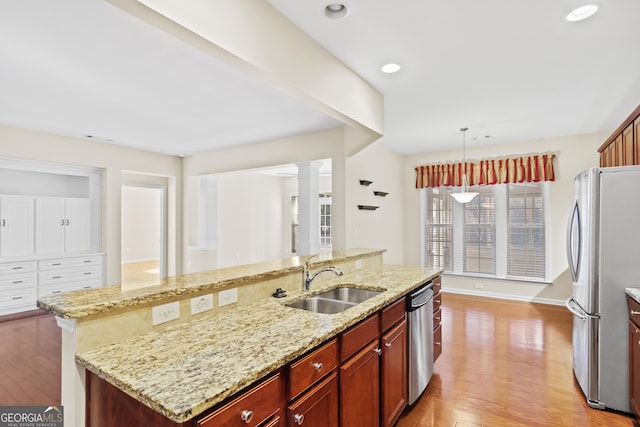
[(367, 207), (365, 182), (380, 193)]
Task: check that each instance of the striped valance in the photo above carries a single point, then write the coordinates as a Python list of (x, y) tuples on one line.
[(530, 168)]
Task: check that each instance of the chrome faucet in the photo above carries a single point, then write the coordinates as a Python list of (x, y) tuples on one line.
[(308, 279)]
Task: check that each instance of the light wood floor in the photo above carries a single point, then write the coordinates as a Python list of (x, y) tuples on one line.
[(141, 273), (503, 364)]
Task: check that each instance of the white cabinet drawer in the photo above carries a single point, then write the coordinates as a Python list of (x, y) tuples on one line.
[(18, 297), (18, 281), (54, 264), (44, 291), (18, 267), (75, 275)]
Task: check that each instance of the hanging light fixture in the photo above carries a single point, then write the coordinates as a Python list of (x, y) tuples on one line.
[(464, 196)]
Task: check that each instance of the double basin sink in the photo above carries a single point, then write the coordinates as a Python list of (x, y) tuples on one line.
[(334, 301)]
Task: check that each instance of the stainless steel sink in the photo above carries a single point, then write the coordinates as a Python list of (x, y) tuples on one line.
[(335, 300)]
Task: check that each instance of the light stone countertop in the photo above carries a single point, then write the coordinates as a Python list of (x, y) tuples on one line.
[(633, 293), (82, 303), (186, 369)]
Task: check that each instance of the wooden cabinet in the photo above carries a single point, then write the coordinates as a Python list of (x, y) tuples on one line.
[(259, 406), (360, 388), (437, 318), (621, 148), (62, 225), (634, 355), (16, 226), (18, 286), (56, 276), (314, 406), (394, 373)]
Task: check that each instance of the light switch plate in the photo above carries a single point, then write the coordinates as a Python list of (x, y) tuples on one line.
[(228, 296), (165, 313), (201, 304), (358, 264)]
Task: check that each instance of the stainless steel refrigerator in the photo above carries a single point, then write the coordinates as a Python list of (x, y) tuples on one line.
[(603, 246)]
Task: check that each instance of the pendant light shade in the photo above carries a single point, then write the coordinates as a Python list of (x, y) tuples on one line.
[(464, 196)]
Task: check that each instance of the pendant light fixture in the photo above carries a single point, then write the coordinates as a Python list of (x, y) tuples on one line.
[(464, 196)]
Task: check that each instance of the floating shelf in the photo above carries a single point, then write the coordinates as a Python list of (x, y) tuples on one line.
[(367, 207), (365, 182), (380, 193)]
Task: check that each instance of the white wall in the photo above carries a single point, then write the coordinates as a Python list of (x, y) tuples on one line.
[(141, 223), (574, 154)]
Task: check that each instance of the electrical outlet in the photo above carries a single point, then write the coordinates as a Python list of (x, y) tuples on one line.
[(358, 264), (479, 286), (228, 296), (201, 303), (165, 312)]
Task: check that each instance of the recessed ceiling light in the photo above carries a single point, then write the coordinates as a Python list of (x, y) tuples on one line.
[(336, 10), (390, 68), (582, 12)]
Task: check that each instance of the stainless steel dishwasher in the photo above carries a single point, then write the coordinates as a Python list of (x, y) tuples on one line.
[(420, 315)]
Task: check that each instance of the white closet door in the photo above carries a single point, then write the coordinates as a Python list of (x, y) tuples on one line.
[(78, 225), (50, 225), (16, 226)]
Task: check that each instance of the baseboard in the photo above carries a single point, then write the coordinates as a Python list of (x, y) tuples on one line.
[(503, 296)]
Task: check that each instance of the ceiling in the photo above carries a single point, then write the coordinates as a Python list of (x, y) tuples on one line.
[(509, 70)]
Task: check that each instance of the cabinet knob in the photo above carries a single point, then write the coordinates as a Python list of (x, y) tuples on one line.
[(438, 301), (317, 366), (634, 313), (246, 416), (298, 419), (437, 343), (378, 350), (388, 344)]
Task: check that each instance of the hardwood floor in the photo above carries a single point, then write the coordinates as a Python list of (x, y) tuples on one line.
[(504, 363), (142, 273)]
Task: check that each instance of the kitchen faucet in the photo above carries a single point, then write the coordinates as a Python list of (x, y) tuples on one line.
[(308, 279)]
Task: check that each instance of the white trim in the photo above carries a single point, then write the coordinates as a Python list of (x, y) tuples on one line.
[(66, 324), (511, 297)]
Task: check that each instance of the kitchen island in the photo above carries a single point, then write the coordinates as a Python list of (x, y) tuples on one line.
[(184, 369)]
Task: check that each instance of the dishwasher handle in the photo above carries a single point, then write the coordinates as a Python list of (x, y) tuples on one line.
[(420, 297)]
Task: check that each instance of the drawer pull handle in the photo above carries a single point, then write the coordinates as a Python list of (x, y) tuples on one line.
[(56, 292), (62, 222), (388, 344), (317, 366), (17, 267), (17, 282), (378, 350), (246, 416), (634, 313), (87, 260), (87, 273), (16, 298), (56, 264), (87, 287), (56, 277), (298, 419)]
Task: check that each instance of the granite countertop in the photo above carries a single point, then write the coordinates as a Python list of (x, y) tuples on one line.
[(633, 293), (186, 369), (77, 304)]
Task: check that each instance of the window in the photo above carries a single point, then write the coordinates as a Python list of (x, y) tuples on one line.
[(501, 233), (325, 222)]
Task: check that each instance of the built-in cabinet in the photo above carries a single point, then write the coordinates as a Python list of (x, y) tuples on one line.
[(49, 232), (621, 148), (634, 356)]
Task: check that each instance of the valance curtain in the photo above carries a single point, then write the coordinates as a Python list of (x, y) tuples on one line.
[(531, 168)]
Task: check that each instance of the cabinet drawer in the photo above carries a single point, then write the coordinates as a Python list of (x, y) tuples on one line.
[(54, 264), (437, 301), (437, 318), (437, 284), (44, 291), (256, 405), (318, 407), (359, 336), (634, 310), (18, 297), (18, 267), (437, 342), (311, 368), (18, 281), (54, 277), (392, 314)]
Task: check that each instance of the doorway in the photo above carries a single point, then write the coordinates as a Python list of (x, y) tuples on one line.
[(143, 235)]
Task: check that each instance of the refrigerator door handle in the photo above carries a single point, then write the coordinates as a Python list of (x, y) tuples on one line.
[(577, 311), (574, 242)]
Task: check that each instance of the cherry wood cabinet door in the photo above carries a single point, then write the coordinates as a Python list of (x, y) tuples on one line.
[(360, 388), (318, 407), (634, 368), (394, 373)]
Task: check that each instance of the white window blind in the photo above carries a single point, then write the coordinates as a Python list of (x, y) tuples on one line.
[(439, 229), (526, 245), (480, 233)]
